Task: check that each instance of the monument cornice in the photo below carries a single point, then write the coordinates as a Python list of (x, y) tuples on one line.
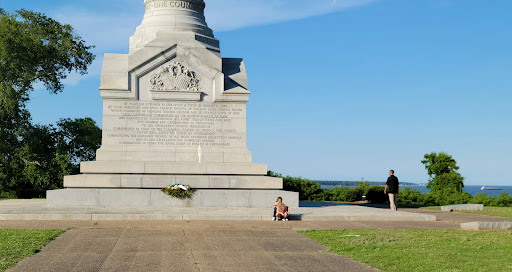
[(193, 5)]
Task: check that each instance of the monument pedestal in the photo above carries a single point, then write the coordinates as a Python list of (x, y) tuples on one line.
[(174, 112), (155, 198)]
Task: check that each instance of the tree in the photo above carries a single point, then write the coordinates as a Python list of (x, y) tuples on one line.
[(442, 169), (33, 48), (78, 139)]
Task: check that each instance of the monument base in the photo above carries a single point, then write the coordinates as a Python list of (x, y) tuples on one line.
[(156, 198), (119, 181)]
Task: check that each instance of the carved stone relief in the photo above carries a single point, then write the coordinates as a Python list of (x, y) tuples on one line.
[(175, 77)]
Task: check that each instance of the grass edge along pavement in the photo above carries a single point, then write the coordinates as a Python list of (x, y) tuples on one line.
[(421, 250), (505, 212), (18, 244)]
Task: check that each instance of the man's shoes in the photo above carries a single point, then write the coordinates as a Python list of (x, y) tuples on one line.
[(274, 218), (285, 219)]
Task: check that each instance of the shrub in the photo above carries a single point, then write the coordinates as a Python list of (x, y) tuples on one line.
[(307, 189), (483, 198), (375, 194), (342, 194), (414, 197), (504, 200)]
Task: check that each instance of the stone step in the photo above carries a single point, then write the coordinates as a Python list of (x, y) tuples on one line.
[(170, 168), (36, 209), (156, 198), (162, 181)]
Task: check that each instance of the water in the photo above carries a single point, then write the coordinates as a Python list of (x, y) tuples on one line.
[(469, 189)]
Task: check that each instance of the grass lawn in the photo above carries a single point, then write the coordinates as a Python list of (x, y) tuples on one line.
[(421, 250), (16, 245), (491, 211)]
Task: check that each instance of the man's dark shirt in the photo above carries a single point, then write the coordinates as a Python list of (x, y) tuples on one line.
[(392, 184)]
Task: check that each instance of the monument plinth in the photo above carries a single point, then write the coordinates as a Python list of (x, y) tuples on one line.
[(174, 112)]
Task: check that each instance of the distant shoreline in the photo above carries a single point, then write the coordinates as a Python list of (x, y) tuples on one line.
[(355, 183)]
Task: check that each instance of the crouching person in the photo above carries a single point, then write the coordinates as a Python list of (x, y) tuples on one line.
[(280, 210)]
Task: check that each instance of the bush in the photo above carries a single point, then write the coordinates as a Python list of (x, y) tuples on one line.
[(342, 194), (483, 198), (375, 194), (409, 196), (8, 195), (307, 189), (504, 200)]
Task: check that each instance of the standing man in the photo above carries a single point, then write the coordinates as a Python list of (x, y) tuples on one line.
[(392, 190)]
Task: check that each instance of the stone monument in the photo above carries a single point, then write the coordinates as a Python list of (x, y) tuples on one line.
[(174, 112)]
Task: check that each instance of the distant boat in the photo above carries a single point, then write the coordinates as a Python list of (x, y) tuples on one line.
[(490, 188)]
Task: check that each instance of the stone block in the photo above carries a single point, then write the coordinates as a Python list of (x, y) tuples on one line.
[(237, 157), (111, 155), (117, 167), (212, 157), (160, 199), (255, 182), (151, 156), (228, 198), (220, 182), (124, 197), (175, 168), (198, 181), (236, 169), (88, 181), (463, 207), (73, 197), (188, 157), (131, 181), (157, 181), (487, 226), (261, 198)]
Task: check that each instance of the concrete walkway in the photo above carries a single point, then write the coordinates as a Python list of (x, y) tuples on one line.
[(183, 246), (204, 245), (309, 211)]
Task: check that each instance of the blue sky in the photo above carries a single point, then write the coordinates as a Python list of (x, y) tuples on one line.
[(340, 89)]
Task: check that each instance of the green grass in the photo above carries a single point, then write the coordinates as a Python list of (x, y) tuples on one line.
[(436, 208), (16, 245), (490, 211), (421, 250)]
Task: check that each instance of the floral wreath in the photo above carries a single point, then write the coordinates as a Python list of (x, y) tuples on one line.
[(179, 191)]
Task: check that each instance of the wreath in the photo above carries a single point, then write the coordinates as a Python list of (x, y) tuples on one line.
[(179, 191)]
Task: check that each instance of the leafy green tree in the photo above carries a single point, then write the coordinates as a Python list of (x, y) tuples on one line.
[(78, 139), (442, 169), (33, 49)]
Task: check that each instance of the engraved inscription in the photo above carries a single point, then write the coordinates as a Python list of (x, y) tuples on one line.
[(174, 4), (174, 124), (175, 77)]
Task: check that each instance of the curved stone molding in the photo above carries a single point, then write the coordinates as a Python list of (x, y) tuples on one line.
[(173, 17)]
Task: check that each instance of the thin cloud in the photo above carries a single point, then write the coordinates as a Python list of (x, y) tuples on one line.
[(223, 15), (110, 31)]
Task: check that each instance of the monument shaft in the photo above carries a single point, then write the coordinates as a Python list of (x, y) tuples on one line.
[(174, 113)]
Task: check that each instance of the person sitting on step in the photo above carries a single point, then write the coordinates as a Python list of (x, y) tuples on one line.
[(280, 210)]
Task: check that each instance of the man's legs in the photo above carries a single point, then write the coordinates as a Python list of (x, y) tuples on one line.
[(392, 201)]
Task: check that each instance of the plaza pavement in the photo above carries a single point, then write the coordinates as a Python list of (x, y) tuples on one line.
[(205, 245)]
